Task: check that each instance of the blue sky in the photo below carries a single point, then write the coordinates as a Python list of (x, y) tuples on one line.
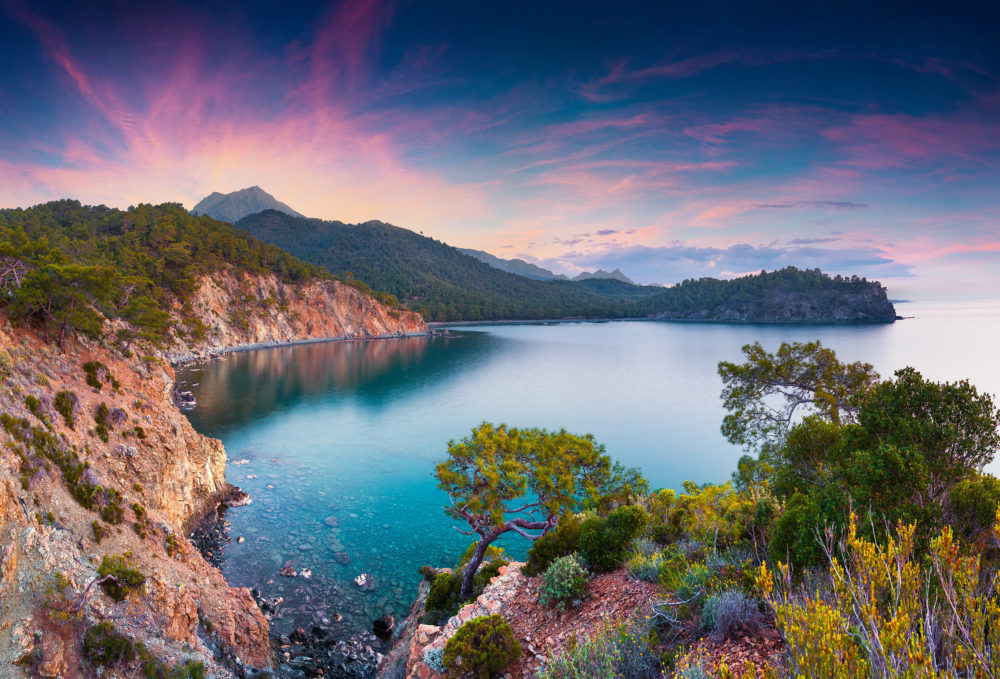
[(671, 140)]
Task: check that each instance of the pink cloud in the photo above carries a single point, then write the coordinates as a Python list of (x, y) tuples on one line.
[(881, 141)]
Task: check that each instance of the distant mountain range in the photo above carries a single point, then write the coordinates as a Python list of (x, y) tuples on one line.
[(529, 270), (515, 266), (616, 275), (231, 207), (447, 284)]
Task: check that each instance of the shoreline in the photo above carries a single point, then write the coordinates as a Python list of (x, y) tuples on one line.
[(553, 321), (183, 359)]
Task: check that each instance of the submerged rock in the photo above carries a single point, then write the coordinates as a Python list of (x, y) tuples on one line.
[(383, 627)]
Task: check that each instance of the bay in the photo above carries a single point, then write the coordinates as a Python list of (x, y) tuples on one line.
[(336, 442)]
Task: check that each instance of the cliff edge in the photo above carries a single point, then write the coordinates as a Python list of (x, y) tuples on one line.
[(103, 477)]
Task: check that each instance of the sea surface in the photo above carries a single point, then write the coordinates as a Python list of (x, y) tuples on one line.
[(337, 442)]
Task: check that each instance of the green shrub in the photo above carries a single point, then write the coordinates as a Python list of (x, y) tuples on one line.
[(66, 404), (644, 560), (603, 541), (621, 652), (94, 370), (482, 648), (564, 582), (445, 598), (141, 524), (173, 545), (6, 362), (100, 532), (104, 646), (493, 553), (123, 578), (34, 406), (102, 417), (560, 541)]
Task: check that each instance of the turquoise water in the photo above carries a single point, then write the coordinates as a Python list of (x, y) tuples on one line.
[(349, 432)]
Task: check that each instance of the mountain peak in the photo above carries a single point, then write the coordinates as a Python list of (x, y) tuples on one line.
[(231, 207), (601, 273)]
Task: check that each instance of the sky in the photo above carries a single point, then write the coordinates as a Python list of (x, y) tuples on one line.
[(671, 140)]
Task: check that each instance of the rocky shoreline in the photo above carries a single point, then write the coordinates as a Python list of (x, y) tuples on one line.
[(312, 648), (181, 359)]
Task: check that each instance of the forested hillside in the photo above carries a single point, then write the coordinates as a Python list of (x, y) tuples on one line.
[(444, 284), (437, 279), (66, 265)]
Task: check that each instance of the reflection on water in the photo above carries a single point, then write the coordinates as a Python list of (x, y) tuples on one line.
[(337, 442), (249, 385)]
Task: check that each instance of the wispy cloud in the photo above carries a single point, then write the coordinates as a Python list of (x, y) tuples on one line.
[(803, 204)]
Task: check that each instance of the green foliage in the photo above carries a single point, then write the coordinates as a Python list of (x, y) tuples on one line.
[(83, 264), (446, 285), (100, 532), (971, 510), (501, 480), (560, 541), (36, 407), (765, 393), (445, 595), (102, 417), (951, 424), (172, 545), (625, 651), (122, 578), (493, 553), (37, 447), (104, 646), (644, 560), (141, 524), (603, 541), (481, 648), (6, 363), (66, 404), (913, 444), (94, 371), (564, 582)]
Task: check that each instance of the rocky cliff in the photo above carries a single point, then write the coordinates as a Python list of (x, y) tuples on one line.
[(98, 462), (238, 311)]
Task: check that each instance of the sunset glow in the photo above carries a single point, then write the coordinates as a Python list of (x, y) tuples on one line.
[(667, 142)]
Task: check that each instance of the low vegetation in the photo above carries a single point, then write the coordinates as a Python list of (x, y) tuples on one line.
[(481, 648), (118, 577), (862, 528)]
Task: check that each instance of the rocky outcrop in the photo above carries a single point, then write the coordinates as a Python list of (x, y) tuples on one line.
[(245, 311), (857, 303), (99, 461), (415, 640)]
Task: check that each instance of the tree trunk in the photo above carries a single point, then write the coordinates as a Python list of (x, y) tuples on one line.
[(477, 558)]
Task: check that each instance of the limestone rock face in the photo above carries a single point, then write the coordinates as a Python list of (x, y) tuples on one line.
[(244, 310), (168, 475)]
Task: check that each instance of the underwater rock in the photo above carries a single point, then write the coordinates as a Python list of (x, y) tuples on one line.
[(383, 627), (287, 571), (366, 581)]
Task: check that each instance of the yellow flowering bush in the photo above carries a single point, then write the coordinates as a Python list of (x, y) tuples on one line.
[(888, 616)]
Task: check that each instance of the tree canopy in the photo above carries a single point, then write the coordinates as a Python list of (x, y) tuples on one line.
[(765, 394), (69, 266), (502, 480)]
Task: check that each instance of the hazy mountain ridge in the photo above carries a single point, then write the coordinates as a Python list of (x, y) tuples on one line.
[(514, 266), (231, 207), (616, 275)]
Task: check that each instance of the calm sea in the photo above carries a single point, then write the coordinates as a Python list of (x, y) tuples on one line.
[(336, 442)]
